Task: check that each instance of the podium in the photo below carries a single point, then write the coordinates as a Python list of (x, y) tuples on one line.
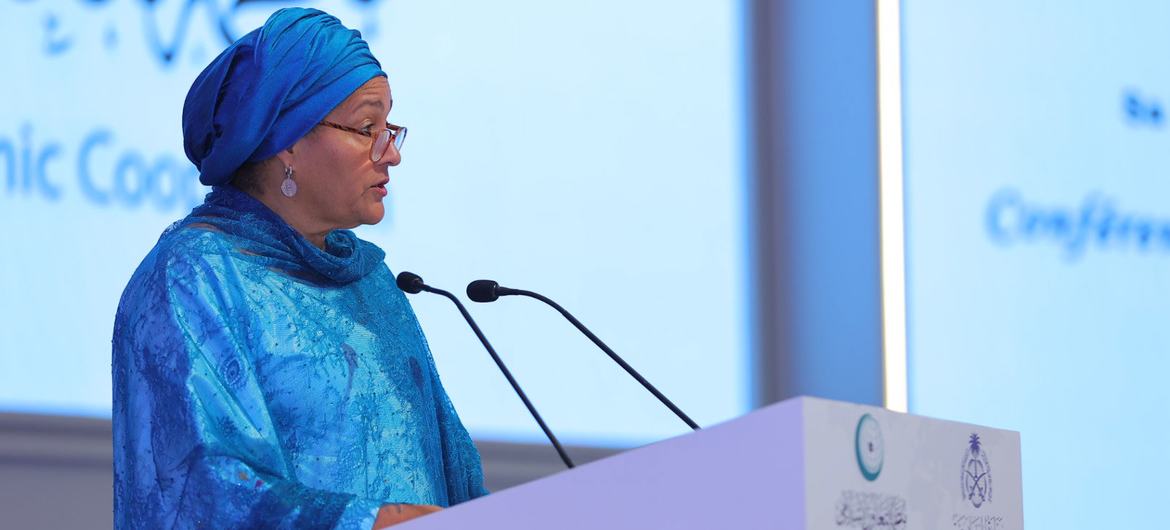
[(804, 463)]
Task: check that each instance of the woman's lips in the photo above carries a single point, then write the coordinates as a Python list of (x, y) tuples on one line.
[(380, 187)]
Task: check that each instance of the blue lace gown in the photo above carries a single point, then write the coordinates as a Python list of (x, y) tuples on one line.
[(260, 382)]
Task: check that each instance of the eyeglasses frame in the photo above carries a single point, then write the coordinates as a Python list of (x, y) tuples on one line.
[(397, 136)]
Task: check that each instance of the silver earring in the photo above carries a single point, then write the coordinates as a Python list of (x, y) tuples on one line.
[(288, 187)]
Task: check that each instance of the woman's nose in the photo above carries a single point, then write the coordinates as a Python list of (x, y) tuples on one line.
[(392, 157)]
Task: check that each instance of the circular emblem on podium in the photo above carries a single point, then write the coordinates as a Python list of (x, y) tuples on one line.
[(869, 447)]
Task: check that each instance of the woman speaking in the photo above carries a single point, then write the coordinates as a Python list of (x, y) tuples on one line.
[(267, 371)]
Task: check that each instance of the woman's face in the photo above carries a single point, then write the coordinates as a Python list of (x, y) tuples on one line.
[(338, 186)]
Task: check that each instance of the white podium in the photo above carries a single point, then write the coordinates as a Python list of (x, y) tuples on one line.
[(804, 463)]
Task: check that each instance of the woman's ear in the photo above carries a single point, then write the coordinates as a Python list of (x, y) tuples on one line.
[(286, 157)]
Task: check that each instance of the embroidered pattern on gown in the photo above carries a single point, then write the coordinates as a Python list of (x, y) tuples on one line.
[(260, 382)]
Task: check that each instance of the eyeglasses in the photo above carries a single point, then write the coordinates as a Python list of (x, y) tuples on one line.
[(382, 139)]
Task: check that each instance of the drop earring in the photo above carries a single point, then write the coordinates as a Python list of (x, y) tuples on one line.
[(288, 187)]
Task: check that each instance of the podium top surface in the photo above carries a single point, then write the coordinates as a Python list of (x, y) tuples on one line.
[(801, 463)]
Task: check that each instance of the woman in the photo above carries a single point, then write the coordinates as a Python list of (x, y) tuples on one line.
[(267, 371)]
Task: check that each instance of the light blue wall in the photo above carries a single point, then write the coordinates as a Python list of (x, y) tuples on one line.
[(816, 168)]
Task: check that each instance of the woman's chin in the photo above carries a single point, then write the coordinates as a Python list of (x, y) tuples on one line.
[(373, 214)]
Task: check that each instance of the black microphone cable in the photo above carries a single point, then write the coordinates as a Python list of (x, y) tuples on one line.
[(489, 291), (412, 283)]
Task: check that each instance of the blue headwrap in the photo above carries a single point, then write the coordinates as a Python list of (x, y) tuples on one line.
[(268, 89)]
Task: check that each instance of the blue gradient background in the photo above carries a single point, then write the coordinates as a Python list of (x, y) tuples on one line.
[(570, 149), (1035, 316)]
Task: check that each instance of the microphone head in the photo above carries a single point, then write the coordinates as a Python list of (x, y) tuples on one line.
[(483, 291), (410, 282)]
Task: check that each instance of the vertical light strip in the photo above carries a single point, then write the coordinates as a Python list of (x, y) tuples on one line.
[(893, 256)]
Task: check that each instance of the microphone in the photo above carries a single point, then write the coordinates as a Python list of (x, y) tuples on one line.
[(489, 291), (412, 283)]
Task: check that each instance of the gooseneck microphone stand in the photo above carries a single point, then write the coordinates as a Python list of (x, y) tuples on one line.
[(490, 291), (413, 283)]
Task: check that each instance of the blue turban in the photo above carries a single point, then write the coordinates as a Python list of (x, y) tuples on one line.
[(268, 89)]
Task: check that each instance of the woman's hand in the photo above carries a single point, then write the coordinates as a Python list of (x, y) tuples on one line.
[(392, 514)]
